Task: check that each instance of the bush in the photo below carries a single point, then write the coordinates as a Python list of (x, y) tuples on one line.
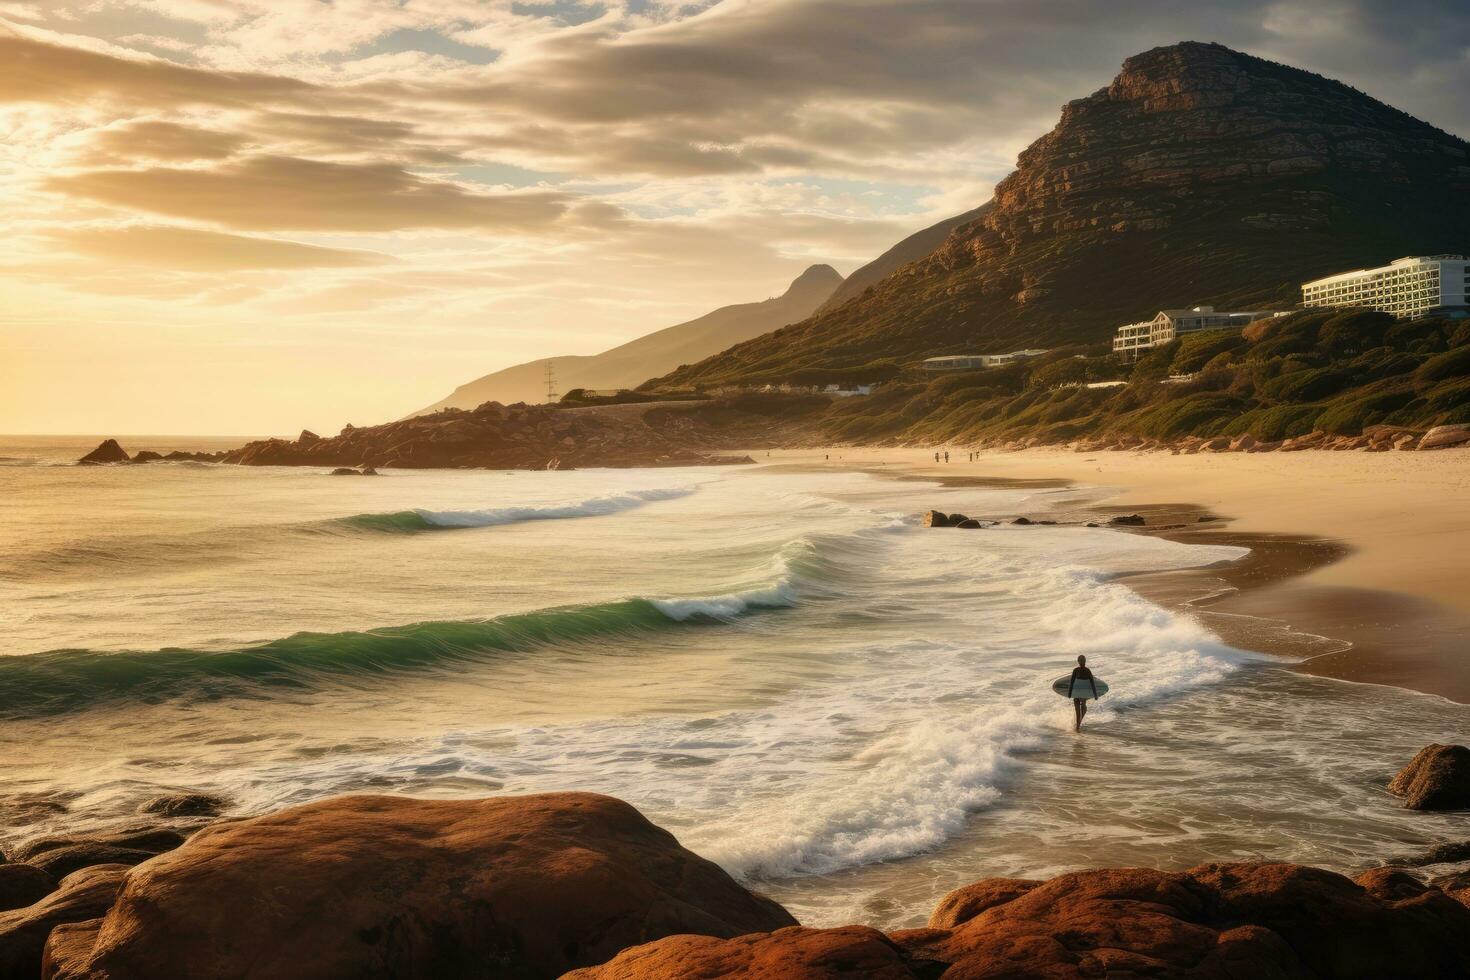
[(1275, 422), (1305, 386), (1451, 364), (1186, 416), (1349, 416), (1352, 332), (1198, 349)]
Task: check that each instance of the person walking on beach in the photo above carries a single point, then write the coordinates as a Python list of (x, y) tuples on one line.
[(946, 455), (1082, 680)]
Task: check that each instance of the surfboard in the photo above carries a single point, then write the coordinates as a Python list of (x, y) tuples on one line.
[(1082, 689)]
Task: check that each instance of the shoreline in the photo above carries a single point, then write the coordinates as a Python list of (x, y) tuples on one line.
[(1357, 561)]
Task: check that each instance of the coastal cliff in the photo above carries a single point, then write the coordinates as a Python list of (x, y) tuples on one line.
[(1199, 175)]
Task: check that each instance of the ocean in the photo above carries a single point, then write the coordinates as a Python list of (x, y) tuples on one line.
[(849, 712)]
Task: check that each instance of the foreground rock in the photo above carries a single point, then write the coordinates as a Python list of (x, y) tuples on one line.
[(22, 885), (1438, 778), (514, 887), (848, 951), (108, 452), (1234, 920), (81, 896)]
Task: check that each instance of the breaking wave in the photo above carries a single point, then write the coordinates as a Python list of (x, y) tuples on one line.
[(418, 519)]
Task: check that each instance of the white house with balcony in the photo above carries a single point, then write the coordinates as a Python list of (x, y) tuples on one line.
[(1411, 287), (1168, 325)]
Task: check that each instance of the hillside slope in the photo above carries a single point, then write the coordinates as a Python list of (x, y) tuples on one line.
[(1200, 175), (911, 249), (630, 364)]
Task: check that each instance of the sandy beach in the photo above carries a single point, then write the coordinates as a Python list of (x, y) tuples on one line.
[(1362, 561)]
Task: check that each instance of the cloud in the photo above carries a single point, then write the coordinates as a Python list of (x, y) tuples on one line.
[(196, 250), (273, 192), (159, 139), (35, 71)]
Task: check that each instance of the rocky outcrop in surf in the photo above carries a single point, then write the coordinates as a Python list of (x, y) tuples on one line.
[(535, 886), (109, 451), (523, 437), (1438, 778)]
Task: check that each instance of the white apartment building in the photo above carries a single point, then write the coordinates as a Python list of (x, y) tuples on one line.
[(975, 362), (1411, 287), (1169, 324)]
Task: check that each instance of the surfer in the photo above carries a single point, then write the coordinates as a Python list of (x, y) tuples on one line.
[(1080, 675)]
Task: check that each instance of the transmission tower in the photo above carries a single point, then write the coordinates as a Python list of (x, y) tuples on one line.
[(551, 394)]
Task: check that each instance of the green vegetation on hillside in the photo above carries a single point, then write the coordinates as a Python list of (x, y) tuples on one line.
[(1334, 370)]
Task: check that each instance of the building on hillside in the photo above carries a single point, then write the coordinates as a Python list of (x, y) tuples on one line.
[(1412, 287), (1168, 325), (977, 362)]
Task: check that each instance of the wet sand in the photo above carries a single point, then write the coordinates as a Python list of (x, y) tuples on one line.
[(1359, 565)]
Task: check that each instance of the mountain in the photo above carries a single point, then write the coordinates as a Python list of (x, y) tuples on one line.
[(630, 364), (912, 248), (1201, 175)]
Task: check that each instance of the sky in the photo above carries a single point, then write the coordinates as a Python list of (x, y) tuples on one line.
[(247, 217)]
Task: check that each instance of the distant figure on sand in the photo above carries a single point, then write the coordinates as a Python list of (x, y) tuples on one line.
[(1082, 680)]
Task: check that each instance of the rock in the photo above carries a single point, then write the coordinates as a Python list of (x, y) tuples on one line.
[(344, 471), (1243, 443), (22, 885), (307, 437), (1441, 854), (1023, 521), (145, 456), (1233, 920), (369, 471), (934, 518), (62, 861), (1456, 886), (108, 452), (955, 520), (1127, 520), (155, 840), (1219, 444), (963, 904), (797, 952), (185, 805), (69, 943), (1438, 778), (1444, 436), (509, 887), (969, 523), (84, 895)]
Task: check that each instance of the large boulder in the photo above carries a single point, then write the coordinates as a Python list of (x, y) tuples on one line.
[(934, 518), (108, 452), (1445, 436), (22, 885), (154, 840), (510, 887), (1233, 920), (1438, 778), (80, 896), (797, 953)]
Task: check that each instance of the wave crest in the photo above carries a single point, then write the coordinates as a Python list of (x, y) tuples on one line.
[(419, 519)]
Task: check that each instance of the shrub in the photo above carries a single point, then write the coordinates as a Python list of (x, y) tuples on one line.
[(1451, 364), (1349, 416), (1354, 331), (1275, 422), (1197, 349), (1305, 386)]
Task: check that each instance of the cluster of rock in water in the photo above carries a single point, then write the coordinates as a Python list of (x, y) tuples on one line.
[(583, 886), (491, 436), (938, 518)]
